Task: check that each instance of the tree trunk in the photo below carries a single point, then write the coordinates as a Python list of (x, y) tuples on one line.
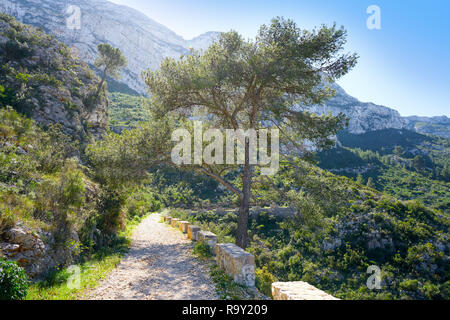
[(100, 85), (241, 235)]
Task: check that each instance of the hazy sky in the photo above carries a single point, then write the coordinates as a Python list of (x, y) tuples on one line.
[(405, 65)]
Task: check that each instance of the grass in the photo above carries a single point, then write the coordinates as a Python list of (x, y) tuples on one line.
[(57, 287)]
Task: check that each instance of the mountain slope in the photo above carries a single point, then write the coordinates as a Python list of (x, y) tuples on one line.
[(40, 78), (363, 117), (439, 126), (143, 41)]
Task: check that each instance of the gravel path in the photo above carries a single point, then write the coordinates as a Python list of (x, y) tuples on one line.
[(158, 266)]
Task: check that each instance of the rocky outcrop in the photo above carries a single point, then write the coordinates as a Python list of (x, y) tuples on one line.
[(43, 80), (438, 126), (35, 252), (143, 41), (363, 117)]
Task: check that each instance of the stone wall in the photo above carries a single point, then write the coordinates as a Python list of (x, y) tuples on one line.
[(298, 290), (31, 252), (234, 261), (240, 264), (237, 263)]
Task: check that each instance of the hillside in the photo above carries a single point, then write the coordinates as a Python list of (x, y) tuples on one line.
[(49, 201), (402, 163), (342, 227), (438, 126), (125, 111), (40, 78), (142, 40)]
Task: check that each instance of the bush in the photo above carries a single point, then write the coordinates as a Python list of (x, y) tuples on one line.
[(13, 281), (264, 281), (202, 250)]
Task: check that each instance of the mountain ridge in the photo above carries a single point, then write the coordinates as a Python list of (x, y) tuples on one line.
[(146, 43)]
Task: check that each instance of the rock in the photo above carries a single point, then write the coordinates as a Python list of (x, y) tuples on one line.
[(193, 232), (174, 222), (237, 263), (9, 249), (209, 238), (298, 290), (183, 225), (27, 249), (142, 40)]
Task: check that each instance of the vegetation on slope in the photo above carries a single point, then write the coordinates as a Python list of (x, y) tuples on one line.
[(126, 111), (39, 77), (341, 229), (407, 165)]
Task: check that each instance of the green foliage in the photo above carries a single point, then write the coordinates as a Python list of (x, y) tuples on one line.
[(13, 281), (110, 59), (226, 288), (37, 72), (264, 280), (126, 111), (141, 202), (354, 227), (202, 250), (405, 164)]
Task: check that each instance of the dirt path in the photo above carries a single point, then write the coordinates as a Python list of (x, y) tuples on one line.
[(158, 266)]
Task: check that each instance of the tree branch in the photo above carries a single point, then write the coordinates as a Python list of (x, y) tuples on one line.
[(221, 180)]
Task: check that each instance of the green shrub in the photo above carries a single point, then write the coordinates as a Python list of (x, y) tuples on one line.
[(264, 281), (13, 281), (202, 250)]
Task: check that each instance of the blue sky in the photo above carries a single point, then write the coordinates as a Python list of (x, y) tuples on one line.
[(405, 65)]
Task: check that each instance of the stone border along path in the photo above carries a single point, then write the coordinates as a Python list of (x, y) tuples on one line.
[(158, 266)]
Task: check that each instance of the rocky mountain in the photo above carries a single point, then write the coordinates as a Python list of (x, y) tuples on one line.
[(438, 126), (146, 43), (363, 116), (40, 78), (84, 24)]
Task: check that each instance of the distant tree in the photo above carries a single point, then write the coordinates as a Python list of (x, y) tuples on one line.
[(399, 151), (371, 183), (111, 60), (419, 163), (243, 84), (360, 179)]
